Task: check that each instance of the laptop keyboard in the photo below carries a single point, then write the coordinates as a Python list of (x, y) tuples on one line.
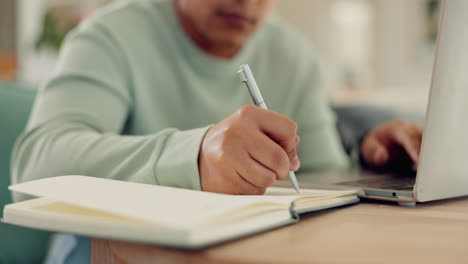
[(406, 183)]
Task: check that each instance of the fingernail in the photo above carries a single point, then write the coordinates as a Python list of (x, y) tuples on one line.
[(380, 156), (295, 163)]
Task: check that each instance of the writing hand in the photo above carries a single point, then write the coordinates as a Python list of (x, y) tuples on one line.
[(246, 152)]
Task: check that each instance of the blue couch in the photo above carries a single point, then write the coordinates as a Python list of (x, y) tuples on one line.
[(17, 245)]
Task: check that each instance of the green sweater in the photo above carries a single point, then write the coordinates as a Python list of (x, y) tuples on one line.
[(132, 97)]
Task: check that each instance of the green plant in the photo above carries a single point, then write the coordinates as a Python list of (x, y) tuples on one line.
[(54, 30)]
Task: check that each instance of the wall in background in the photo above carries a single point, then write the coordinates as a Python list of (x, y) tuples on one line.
[(365, 45), (403, 54), (7, 25), (35, 62), (7, 40), (33, 66)]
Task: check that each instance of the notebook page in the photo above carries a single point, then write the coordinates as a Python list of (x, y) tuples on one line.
[(165, 205)]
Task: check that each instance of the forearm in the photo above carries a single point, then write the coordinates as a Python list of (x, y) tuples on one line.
[(62, 147)]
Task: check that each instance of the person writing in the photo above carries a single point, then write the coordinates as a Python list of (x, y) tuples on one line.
[(147, 91)]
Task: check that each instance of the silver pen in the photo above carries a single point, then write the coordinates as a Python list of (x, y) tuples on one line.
[(247, 78)]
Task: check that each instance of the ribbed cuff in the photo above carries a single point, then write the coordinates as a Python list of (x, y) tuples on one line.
[(178, 164)]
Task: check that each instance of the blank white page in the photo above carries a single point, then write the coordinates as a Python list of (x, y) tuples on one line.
[(165, 205)]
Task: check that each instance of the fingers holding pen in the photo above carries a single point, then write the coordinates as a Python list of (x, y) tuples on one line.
[(246, 152), (271, 155), (280, 130)]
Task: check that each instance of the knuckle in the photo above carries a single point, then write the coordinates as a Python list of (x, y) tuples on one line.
[(246, 110), (281, 163), (263, 178), (269, 179), (290, 148), (400, 123), (292, 127), (295, 127), (277, 156), (292, 154)]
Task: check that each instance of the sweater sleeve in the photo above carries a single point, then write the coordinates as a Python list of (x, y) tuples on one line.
[(79, 116)]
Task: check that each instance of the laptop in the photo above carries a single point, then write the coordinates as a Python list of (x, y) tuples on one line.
[(443, 166)]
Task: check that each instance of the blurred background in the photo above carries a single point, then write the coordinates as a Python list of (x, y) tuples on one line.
[(372, 51)]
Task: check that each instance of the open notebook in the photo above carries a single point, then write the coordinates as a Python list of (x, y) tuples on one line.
[(175, 217)]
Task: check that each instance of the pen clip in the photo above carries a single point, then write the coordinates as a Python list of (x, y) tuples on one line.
[(247, 78), (241, 73)]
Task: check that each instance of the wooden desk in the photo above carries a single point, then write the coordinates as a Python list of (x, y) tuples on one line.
[(435, 232)]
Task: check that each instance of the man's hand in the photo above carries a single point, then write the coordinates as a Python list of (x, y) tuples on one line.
[(246, 152), (395, 143)]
